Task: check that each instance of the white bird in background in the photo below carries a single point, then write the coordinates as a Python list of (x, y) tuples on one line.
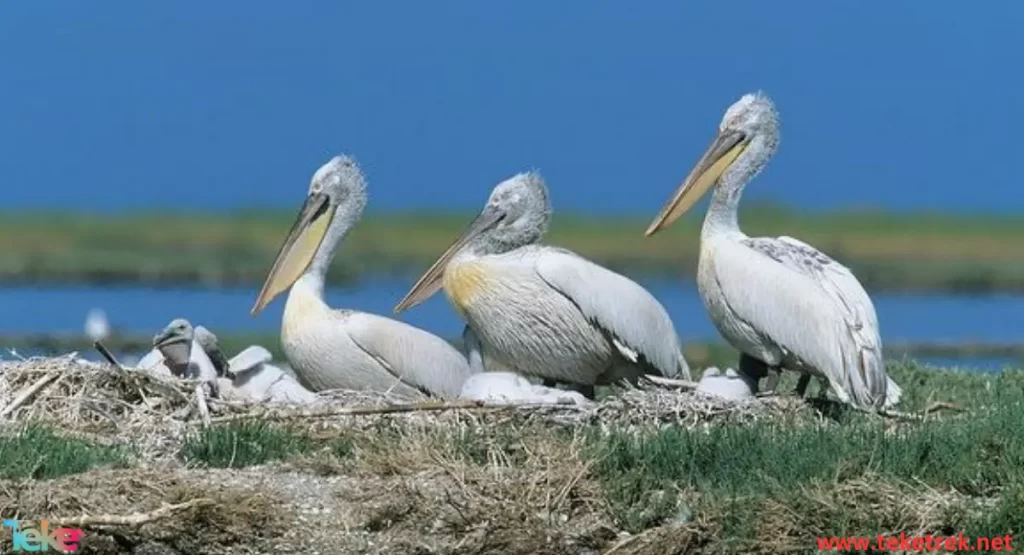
[(347, 349), (546, 311), (97, 327), (778, 300)]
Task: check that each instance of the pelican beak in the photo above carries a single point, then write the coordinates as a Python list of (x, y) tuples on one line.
[(173, 345), (724, 150), (431, 281), (298, 249)]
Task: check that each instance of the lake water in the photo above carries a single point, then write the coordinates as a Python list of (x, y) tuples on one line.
[(903, 317)]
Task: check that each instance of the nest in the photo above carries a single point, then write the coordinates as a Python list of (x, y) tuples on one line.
[(95, 399), (154, 413), (446, 477)]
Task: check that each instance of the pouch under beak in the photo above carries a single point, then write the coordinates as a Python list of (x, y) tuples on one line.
[(724, 150), (176, 348), (431, 281), (298, 250)]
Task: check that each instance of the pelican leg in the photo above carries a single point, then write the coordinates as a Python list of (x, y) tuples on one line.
[(823, 387), (802, 383), (757, 369), (474, 350), (585, 390)]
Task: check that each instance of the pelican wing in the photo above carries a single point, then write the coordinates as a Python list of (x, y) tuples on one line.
[(840, 284), (415, 357), (250, 358), (775, 296), (834, 278), (632, 318)]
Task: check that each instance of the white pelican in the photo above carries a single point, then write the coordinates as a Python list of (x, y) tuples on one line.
[(347, 349), (183, 355), (546, 311), (779, 301)]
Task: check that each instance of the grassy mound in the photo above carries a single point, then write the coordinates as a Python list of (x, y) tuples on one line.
[(643, 471)]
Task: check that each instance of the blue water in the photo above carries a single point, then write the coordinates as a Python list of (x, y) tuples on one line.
[(997, 318), (198, 105)]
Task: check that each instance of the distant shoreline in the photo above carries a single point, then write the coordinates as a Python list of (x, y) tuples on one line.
[(888, 251)]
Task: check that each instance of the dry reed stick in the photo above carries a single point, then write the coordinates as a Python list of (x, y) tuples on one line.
[(132, 519), (29, 391), (387, 409)]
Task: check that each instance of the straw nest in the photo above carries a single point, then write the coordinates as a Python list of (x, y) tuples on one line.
[(154, 413), (412, 495)]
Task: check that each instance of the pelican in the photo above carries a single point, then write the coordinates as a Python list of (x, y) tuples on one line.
[(546, 311), (253, 375), (331, 348), (208, 341), (779, 301), (508, 387), (183, 355)]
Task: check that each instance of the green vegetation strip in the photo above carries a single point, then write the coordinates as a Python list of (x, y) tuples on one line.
[(886, 250), (39, 452)]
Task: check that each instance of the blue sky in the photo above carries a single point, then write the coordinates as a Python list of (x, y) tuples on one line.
[(191, 105)]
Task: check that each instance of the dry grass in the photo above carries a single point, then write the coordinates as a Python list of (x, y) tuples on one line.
[(471, 480)]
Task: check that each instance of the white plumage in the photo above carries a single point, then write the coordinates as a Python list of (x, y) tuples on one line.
[(543, 310), (347, 349), (779, 301)]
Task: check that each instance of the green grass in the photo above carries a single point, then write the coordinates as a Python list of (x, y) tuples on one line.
[(38, 452), (919, 251), (244, 443), (822, 477), (976, 457)]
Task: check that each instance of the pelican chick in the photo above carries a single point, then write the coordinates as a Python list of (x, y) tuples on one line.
[(183, 355), (728, 384), (546, 311), (337, 348), (508, 387), (255, 377), (779, 301), (208, 341)]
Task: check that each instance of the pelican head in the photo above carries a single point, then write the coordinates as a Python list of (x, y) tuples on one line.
[(334, 202), (746, 139), (517, 214), (175, 342)]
